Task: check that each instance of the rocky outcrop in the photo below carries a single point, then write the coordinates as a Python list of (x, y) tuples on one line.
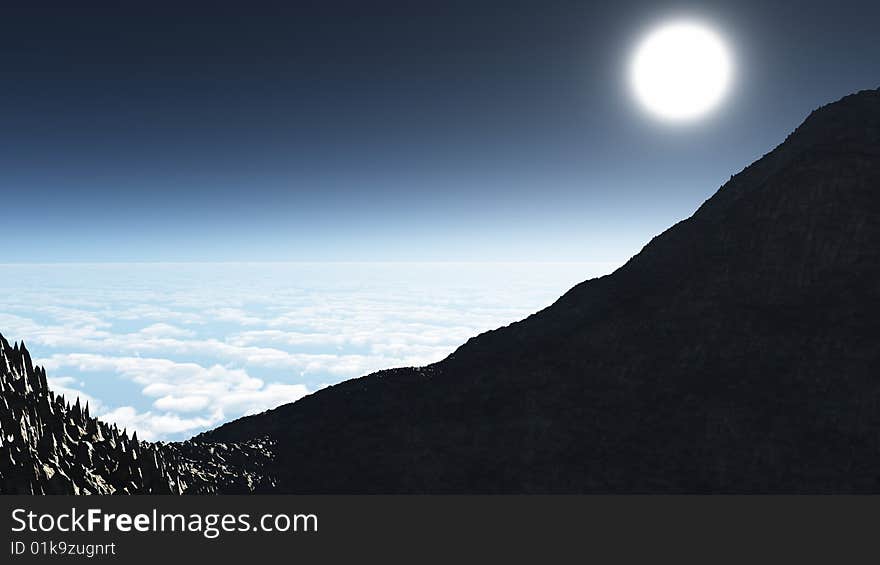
[(223, 467), (48, 446)]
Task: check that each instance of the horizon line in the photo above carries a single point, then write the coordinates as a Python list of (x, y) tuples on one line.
[(282, 262)]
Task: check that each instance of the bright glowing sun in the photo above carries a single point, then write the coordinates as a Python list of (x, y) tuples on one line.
[(681, 70)]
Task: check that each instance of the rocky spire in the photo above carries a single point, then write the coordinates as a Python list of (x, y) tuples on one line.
[(48, 446)]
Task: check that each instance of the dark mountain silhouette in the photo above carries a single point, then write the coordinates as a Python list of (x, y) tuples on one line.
[(48, 446), (739, 351)]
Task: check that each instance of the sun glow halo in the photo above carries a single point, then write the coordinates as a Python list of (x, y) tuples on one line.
[(681, 70)]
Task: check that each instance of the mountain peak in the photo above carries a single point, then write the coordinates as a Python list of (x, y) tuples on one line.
[(855, 118)]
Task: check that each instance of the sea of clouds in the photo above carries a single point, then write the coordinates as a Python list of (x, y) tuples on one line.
[(171, 350)]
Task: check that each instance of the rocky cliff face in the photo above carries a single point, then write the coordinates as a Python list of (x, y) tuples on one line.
[(48, 446), (737, 352)]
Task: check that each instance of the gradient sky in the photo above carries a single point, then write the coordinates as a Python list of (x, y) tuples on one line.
[(334, 130)]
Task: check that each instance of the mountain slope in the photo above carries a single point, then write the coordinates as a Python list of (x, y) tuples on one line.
[(738, 352)]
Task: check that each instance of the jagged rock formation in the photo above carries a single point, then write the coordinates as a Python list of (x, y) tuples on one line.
[(223, 468), (51, 447), (739, 351), (48, 446)]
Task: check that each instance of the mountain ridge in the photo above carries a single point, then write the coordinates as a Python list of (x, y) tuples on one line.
[(777, 248), (751, 169)]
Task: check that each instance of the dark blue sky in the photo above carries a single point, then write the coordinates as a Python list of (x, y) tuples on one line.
[(383, 130)]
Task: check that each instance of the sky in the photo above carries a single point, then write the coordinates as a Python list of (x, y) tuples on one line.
[(383, 131)]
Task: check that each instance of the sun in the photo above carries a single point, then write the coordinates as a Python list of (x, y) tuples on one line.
[(681, 70)]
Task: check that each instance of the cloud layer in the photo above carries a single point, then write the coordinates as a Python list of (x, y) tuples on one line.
[(173, 349)]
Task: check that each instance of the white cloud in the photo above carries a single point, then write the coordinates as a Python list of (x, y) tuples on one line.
[(160, 330), (217, 393), (150, 426), (174, 403)]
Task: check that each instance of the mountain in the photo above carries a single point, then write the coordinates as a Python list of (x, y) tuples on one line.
[(48, 446), (739, 351)]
